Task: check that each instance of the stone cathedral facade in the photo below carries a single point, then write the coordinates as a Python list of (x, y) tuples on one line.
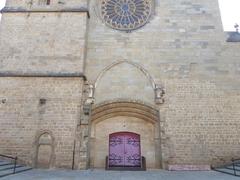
[(83, 81)]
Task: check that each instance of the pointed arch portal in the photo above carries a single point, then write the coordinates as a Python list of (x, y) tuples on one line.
[(136, 65), (123, 120)]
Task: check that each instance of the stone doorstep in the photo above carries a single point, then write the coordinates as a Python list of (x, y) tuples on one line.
[(189, 167)]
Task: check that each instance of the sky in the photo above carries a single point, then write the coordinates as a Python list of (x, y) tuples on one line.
[(230, 12)]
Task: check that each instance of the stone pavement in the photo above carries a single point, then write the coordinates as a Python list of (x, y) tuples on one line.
[(117, 175)]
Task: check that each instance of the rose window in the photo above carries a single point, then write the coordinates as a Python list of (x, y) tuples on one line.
[(126, 14)]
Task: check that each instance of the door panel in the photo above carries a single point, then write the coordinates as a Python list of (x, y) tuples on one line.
[(132, 153), (116, 153), (124, 149)]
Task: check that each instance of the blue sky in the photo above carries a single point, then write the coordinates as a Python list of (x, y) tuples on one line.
[(230, 11)]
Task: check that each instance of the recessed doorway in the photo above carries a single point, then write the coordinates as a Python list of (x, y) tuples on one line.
[(124, 150)]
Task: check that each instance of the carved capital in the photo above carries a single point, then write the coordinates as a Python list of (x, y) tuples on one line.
[(159, 94), (90, 95), (91, 91), (87, 109)]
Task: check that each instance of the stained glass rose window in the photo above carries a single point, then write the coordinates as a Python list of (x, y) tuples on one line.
[(126, 14)]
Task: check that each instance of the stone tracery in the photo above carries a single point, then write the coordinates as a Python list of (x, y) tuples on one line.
[(126, 14)]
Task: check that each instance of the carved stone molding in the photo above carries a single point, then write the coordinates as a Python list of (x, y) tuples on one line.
[(159, 94), (89, 100)]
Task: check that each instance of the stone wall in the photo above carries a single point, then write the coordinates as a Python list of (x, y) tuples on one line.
[(184, 49), (43, 39), (200, 123), (30, 107), (126, 80), (42, 63), (43, 42)]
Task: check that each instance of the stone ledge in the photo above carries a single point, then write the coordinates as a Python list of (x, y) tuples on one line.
[(40, 74), (43, 10), (189, 167)]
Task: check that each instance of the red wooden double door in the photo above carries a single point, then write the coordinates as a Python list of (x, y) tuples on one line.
[(124, 150)]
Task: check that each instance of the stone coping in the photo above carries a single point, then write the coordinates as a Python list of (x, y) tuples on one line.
[(44, 10), (41, 74), (189, 167)]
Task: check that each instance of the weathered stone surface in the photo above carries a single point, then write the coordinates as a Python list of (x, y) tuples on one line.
[(179, 64), (43, 42), (24, 118), (184, 49)]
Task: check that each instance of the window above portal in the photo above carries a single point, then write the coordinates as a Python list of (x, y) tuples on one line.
[(126, 15), (44, 2)]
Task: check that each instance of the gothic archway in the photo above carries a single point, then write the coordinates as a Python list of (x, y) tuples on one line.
[(152, 92), (136, 65), (124, 116)]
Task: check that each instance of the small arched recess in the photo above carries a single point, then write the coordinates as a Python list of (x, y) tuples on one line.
[(44, 157)]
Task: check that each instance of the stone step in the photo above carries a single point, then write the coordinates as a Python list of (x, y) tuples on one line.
[(7, 167), (5, 163), (18, 170), (237, 168), (227, 171)]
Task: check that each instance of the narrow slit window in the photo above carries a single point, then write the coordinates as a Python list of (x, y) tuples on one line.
[(44, 2)]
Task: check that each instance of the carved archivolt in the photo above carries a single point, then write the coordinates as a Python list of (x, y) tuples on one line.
[(124, 108)]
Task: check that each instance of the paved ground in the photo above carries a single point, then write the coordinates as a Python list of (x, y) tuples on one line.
[(116, 175)]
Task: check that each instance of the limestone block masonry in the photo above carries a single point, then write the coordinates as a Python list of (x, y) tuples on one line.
[(68, 80), (31, 107)]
